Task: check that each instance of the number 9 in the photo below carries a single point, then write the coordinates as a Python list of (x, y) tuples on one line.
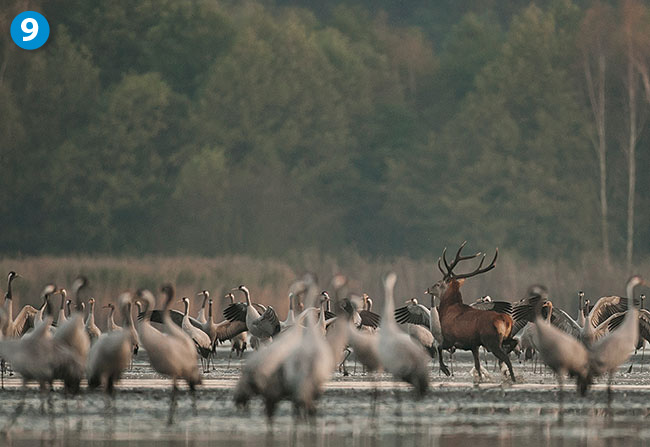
[(32, 30)]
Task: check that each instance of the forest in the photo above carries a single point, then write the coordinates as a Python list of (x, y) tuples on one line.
[(383, 128)]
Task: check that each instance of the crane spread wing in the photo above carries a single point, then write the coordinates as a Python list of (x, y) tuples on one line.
[(235, 312), (369, 318), (24, 320), (644, 323), (269, 322), (561, 320), (228, 329), (605, 307), (523, 312), (414, 314), (502, 307)]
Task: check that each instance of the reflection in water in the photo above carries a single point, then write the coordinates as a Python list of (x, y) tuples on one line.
[(446, 417)]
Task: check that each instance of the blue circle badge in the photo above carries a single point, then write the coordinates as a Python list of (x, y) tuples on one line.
[(30, 30)]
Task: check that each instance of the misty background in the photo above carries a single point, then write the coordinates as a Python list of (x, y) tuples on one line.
[(348, 136)]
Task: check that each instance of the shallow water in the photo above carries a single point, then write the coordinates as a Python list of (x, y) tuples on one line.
[(455, 412)]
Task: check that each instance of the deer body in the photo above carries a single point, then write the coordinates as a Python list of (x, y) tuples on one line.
[(468, 327), (465, 327)]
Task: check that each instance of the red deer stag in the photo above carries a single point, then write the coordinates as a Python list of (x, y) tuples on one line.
[(467, 328)]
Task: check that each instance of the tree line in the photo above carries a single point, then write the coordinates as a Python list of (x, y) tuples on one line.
[(271, 127)]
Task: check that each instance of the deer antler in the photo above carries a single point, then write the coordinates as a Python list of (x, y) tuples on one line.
[(449, 274)]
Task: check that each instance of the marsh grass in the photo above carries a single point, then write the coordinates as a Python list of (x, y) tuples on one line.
[(269, 279)]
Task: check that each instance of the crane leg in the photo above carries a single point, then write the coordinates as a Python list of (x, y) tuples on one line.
[(609, 393), (172, 404), (441, 362), (195, 411), (375, 394), (398, 399), (629, 370), (560, 381), (342, 365), (2, 367), (642, 354)]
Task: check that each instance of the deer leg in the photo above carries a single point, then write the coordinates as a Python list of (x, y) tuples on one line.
[(498, 352), (443, 367), (477, 362)]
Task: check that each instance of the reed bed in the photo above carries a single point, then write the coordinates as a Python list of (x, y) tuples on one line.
[(269, 279)]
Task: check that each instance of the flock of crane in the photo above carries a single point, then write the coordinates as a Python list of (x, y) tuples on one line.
[(294, 358)]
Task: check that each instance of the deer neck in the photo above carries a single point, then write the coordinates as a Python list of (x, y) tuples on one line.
[(451, 295)]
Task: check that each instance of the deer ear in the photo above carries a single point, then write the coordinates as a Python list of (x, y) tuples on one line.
[(461, 281)]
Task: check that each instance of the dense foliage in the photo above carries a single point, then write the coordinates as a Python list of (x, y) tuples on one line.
[(387, 127)]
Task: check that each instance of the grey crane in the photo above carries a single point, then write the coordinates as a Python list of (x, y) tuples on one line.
[(171, 353), (311, 364), (262, 373), (111, 354), (235, 331), (561, 352), (62, 317), (91, 328), (47, 292), (291, 318), (399, 355), (16, 327), (614, 348), (72, 334), (37, 358), (200, 316), (418, 314), (264, 326), (420, 333), (111, 325), (201, 339)]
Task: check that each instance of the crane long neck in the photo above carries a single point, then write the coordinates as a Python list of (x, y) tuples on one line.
[(548, 315), (91, 313), (187, 307), (210, 311), (9, 294), (248, 297), (128, 321), (205, 301), (629, 288), (389, 305)]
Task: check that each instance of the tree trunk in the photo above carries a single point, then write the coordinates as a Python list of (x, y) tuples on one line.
[(596, 93), (631, 156)]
